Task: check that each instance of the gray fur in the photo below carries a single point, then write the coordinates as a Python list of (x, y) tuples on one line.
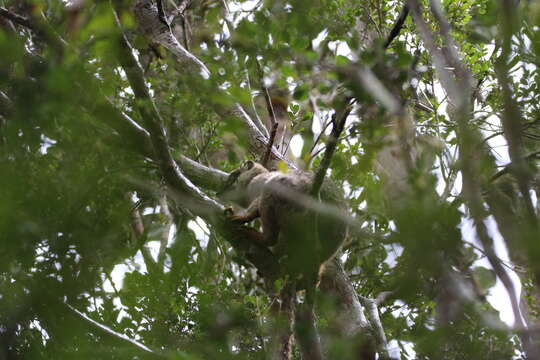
[(302, 238)]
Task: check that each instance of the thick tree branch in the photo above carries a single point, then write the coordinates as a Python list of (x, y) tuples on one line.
[(161, 13), (442, 63), (372, 309), (257, 139), (241, 237), (153, 122), (205, 176), (305, 329), (157, 29), (280, 346), (348, 316), (139, 139)]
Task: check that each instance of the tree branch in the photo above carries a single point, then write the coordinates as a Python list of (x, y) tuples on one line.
[(506, 169), (266, 156), (204, 176), (512, 118), (108, 331), (258, 142), (16, 18), (153, 28), (163, 203), (348, 315), (339, 120), (397, 26), (305, 328), (153, 122), (459, 91), (271, 113), (161, 13), (141, 236), (244, 238), (371, 306)]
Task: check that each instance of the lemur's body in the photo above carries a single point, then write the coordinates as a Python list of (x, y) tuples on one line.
[(302, 238)]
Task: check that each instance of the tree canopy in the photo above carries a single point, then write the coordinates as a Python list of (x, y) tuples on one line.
[(120, 122)]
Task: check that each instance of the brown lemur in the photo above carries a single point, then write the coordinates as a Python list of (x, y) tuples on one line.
[(301, 237)]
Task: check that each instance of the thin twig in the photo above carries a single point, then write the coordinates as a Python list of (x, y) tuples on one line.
[(507, 168), (267, 98), (504, 263), (16, 18), (270, 144), (331, 143), (40, 27), (319, 137), (166, 231), (209, 138), (253, 107), (105, 329), (271, 113)]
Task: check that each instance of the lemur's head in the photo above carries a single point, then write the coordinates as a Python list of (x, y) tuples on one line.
[(235, 187)]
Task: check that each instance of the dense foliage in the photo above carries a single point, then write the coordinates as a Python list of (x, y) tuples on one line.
[(106, 253)]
